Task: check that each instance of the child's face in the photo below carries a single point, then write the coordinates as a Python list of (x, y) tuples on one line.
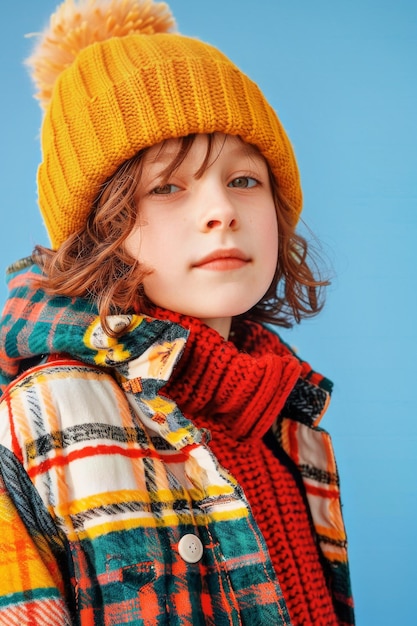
[(212, 241)]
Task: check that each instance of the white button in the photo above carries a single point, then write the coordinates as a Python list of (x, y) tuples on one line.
[(190, 548)]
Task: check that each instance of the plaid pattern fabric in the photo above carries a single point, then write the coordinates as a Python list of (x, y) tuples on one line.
[(34, 324), (123, 496), (32, 553), (310, 448)]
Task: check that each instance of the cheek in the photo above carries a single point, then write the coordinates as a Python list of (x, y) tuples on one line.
[(145, 245), (133, 243), (269, 241)]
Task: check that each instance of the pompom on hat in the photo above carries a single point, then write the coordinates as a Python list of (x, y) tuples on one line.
[(113, 79)]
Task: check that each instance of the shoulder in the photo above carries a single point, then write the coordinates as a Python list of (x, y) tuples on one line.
[(58, 394), (62, 373)]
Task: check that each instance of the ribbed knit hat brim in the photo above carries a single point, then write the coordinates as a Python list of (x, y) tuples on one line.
[(128, 93)]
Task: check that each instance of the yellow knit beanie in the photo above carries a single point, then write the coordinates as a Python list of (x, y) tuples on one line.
[(113, 80)]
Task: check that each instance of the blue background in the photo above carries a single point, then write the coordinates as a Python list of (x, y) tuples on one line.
[(342, 76)]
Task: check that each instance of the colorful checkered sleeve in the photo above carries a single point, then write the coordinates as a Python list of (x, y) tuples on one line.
[(32, 552)]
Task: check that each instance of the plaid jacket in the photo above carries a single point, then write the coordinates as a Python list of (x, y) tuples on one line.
[(73, 430), (101, 478)]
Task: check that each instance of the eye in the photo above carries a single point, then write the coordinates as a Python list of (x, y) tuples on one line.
[(243, 182), (165, 190)]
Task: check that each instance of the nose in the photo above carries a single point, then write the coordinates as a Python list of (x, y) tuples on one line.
[(211, 224), (219, 212)]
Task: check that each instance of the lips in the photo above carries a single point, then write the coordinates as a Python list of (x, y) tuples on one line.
[(223, 260)]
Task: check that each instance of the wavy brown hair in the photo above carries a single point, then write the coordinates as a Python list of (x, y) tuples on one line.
[(93, 263)]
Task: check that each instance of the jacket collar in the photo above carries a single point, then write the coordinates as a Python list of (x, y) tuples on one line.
[(36, 324)]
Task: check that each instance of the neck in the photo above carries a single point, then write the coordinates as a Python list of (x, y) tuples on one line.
[(221, 324)]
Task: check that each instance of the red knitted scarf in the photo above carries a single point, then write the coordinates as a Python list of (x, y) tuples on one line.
[(237, 389), (215, 379)]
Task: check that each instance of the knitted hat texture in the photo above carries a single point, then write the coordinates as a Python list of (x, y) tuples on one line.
[(112, 81)]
